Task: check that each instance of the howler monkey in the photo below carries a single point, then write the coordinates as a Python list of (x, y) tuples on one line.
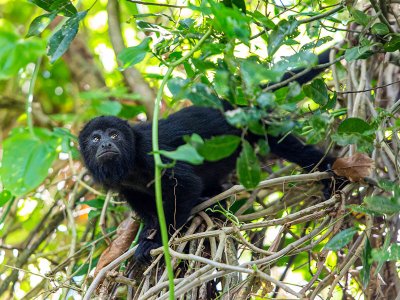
[(118, 156)]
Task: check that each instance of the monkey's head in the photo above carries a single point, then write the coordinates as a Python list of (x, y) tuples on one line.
[(107, 145)]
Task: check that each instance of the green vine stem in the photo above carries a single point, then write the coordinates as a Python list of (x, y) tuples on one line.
[(158, 165), (29, 99)]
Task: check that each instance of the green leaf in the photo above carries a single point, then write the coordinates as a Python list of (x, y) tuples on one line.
[(221, 82), (238, 3), (178, 87), (354, 125), (341, 239), (201, 95), (267, 23), (248, 167), (133, 55), (315, 127), (130, 111), (303, 59), (282, 30), (362, 210), (60, 41), (382, 205), (393, 45), (219, 147), (366, 263), (391, 253), (194, 140), (380, 28), (355, 131), (381, 255), (267, 100), (63, 6), (317, 91), (16, 53), (314, 44), (253, 74), (84, 269), (263, 147), (107, 107), (93, 214), (39, 24), (231, 21), (5, 196), (360, 17), (27, 159), (242, 117), (186, 153), (359, 52), (97, 203), (388, 186)]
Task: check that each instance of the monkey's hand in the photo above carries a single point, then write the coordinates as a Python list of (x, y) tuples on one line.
[(142, 253), (332, 185)]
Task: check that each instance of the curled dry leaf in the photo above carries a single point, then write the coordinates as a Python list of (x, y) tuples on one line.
[(355, 167), (126, 233)]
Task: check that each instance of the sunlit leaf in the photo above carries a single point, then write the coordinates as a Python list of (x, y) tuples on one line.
[(107, 107), (201, 95), (360, 17), (281, 31), (185, 153), (65, 7), (219, 147), (133, 55), (27, 159), (253, 74), (5, 196), (39, 24), (231, 21), (60, 41), (16, 53)]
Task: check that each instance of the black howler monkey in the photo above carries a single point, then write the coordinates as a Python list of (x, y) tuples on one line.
[(118, 156)]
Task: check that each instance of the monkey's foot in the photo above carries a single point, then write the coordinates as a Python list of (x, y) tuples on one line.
[(142, 253)]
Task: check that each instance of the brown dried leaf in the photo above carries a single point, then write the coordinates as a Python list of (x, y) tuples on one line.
[(355, 167), (126, 233)]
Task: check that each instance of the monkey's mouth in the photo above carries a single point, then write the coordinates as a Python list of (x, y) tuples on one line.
[(107, 155)]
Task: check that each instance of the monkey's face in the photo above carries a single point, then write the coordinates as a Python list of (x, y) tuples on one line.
[(108, 149), (105, 144)]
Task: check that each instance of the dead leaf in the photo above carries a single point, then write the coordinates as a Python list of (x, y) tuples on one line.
[(354, 168), (126, 233)]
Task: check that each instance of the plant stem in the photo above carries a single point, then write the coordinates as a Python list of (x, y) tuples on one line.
[(29, 99), (158, 166)]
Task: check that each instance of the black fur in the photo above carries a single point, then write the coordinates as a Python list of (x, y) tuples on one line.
[(131, 172)]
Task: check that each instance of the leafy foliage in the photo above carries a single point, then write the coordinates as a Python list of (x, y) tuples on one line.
[(27, 159)]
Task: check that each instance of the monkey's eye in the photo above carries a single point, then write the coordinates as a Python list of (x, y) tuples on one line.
[(113, 135), (95, 138)]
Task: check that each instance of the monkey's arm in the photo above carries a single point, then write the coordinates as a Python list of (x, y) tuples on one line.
[(307, 156), (181, 190), (294, 150)]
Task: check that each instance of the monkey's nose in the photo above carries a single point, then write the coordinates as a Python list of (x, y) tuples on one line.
[(106, 145)]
